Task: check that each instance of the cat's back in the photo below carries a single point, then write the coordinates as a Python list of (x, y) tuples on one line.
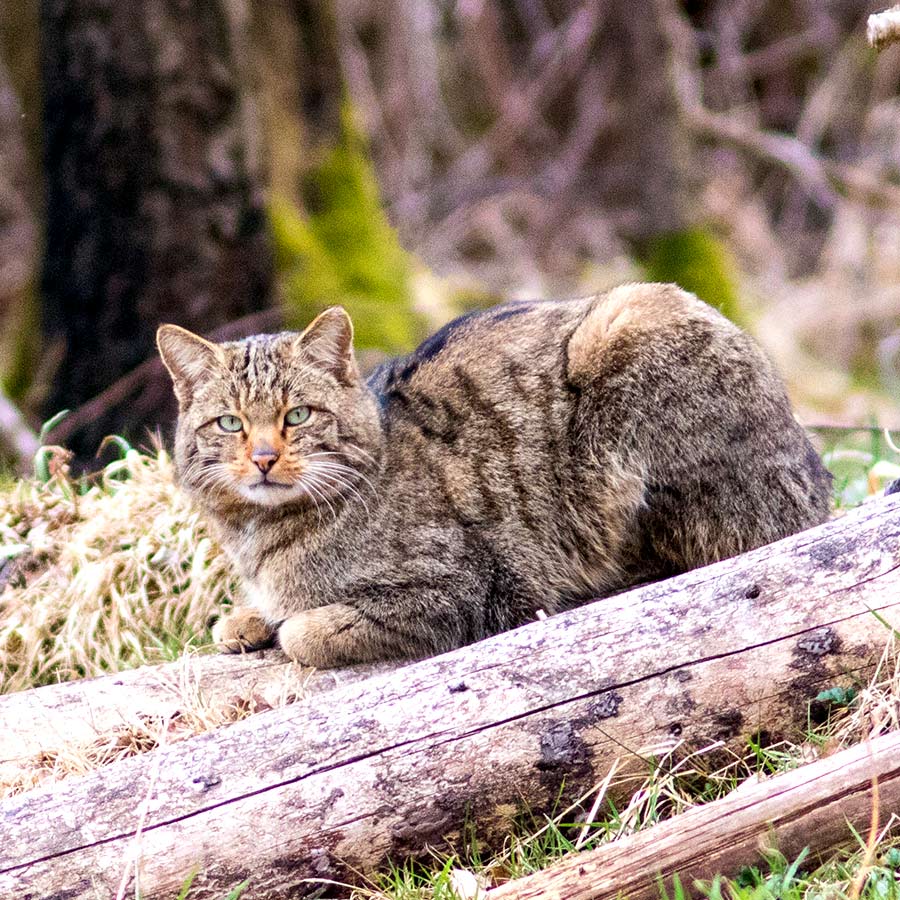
[(645, 388), (522, 350), (493, 347)]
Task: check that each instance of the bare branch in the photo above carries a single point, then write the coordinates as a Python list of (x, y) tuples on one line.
[(883, 29), (16, 438), (824, 179)]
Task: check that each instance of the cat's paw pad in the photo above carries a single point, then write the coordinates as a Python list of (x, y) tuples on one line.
[(242, 630)]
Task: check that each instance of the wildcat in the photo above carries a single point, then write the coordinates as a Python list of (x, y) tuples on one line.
[(529, 457)]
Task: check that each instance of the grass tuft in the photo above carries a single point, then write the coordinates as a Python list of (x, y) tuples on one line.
[(102, 574)]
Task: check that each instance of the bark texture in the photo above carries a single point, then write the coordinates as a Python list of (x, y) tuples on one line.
[(18, 230), (154, 204), (47, 720), (816, 807), (398, 762), (18, 257)]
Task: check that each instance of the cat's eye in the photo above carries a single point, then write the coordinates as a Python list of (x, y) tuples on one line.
[(297, 416), (230, 423)]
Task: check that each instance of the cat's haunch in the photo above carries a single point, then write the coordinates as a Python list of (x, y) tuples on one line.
[(528, 457)]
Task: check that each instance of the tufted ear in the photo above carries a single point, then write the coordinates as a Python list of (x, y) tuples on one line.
[(328, 341), (188, 357)]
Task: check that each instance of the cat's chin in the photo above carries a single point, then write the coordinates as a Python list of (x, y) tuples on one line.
[(269, 494)]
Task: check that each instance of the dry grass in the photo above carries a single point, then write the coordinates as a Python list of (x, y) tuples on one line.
[(194, 712), (105, 575), (876, 709)]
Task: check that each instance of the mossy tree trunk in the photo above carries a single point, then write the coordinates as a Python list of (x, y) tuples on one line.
[(333, 242), (154, 205), (18, 237)]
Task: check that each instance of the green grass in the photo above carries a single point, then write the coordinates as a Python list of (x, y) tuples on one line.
[(185, 893), (861, 460)]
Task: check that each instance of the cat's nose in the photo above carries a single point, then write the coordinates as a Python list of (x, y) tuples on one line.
[(264, 458)]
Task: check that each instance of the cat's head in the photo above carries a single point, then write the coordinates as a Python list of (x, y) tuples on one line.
[(273, 419)]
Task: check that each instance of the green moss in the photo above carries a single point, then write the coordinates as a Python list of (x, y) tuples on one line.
[(344, 251), (20, 344), (866, 371), (700, 263)]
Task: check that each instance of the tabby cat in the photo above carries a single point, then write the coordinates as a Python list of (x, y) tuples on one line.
[(526, 458)]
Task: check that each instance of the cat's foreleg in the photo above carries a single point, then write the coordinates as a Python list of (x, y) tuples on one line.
[(340, 634), (244, 628)]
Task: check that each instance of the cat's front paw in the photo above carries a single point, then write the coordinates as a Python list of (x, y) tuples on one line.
[(241, 630), (322, 638)]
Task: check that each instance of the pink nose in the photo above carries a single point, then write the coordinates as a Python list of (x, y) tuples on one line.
[(264, 458)]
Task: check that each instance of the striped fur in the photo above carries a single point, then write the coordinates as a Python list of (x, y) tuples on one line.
[(526, 458)]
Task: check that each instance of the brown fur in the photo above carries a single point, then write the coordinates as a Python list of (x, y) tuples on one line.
[(527, 458)]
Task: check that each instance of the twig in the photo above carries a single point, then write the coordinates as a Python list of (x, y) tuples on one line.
[(883, 29), (785, 52), (135, 850), (595, 806), (16, 437), (868, 860)]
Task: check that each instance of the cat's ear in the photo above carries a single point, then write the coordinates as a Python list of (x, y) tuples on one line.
[(188, 357), (329, 341)]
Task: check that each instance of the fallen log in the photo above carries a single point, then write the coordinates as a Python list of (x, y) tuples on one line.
[(394, 763), (46, 721), (816, 807)]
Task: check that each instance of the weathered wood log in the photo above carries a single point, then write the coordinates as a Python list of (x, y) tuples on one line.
[(399, 761), (47, 720), (815, 807)]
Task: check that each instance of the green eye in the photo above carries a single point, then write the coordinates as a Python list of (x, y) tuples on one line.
[(297, 416), (230, 423)]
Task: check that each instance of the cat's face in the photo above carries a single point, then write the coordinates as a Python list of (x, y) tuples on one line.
[(273, 419)]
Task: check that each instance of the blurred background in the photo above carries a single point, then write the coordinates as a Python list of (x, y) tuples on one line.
[(235, 166)]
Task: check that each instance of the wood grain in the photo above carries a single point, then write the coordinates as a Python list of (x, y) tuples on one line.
[(48, 719)]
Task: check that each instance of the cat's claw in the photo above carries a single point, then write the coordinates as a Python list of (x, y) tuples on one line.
[(241, 631)]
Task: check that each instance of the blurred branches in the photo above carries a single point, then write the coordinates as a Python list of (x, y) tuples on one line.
[(540, 135), (821, 176), (523, 146)]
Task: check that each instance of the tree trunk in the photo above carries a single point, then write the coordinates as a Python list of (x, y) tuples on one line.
[(18, 246), (154, 204), (294, 46), (817, 807), (643, 165), (399, 762)]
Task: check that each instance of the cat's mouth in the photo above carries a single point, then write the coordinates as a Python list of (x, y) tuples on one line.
[(269, 493), (264, 484)]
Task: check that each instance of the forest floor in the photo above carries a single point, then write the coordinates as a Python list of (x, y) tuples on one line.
[(116, 570)]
